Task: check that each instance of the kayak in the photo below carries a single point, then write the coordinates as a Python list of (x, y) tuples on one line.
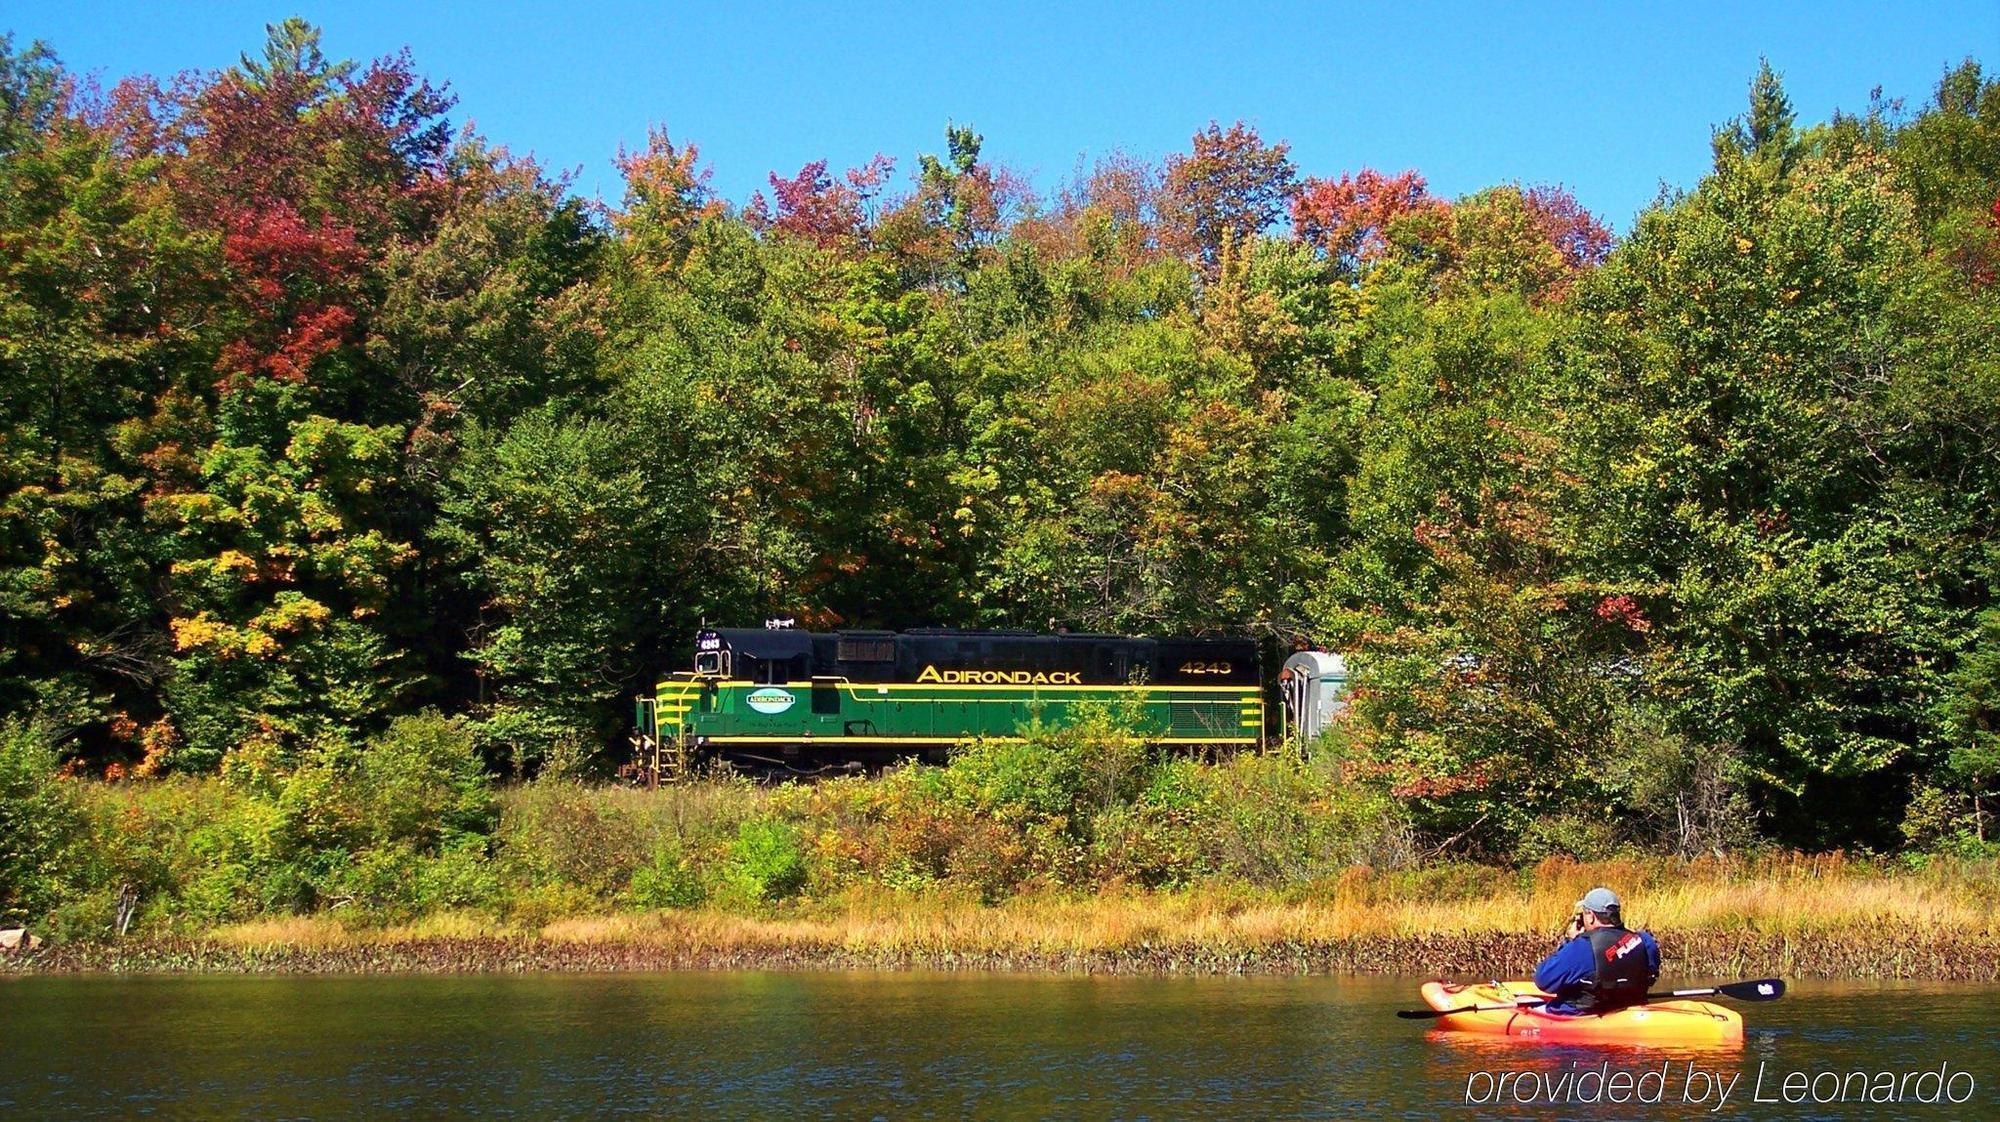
[(1681, 1022)]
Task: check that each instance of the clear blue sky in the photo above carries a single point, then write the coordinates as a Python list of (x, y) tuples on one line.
[(1611, 103)]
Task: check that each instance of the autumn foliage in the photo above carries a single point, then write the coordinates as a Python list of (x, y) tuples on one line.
[(319, 409), (1348, 218)]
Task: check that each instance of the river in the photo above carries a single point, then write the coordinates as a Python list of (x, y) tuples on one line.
[(897, 1045)]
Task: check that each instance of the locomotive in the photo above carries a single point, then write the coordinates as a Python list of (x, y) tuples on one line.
[(786, 696)]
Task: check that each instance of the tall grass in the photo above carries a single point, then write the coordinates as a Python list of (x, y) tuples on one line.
[(1864, 910)]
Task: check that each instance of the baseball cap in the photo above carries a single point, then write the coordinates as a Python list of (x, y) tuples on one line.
[(1599, 900)]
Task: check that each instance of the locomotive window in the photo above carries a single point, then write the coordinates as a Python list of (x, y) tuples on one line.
[(708, 662), (778, 671)]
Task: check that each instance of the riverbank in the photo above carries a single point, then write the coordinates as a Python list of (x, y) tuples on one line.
[(1070, 852), (1697, 958), (1810, 918)]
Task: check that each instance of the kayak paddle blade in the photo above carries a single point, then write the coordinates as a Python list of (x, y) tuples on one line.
[(1763, 989)]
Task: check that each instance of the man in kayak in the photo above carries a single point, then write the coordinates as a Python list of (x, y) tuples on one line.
[(1600, 966)]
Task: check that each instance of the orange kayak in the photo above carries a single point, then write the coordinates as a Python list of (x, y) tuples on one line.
[(1683, 1022)]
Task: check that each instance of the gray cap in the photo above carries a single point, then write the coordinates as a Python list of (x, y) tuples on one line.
[(1599, 900)]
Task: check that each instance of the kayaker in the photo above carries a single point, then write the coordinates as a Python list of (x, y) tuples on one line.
[(1600, 966)]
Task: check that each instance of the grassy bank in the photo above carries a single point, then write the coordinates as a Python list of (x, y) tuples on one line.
[(1800, 917), (1077, 849)]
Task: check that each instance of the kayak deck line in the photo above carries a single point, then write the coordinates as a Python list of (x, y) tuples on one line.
[(1494, 1009)]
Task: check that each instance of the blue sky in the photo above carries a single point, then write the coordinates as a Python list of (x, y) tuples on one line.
[(1611, 102)]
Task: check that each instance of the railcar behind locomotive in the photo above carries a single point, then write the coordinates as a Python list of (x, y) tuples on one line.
[(781, 693)]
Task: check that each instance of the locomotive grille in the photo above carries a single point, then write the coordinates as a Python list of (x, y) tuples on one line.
[(866, 650), (1203, 718)]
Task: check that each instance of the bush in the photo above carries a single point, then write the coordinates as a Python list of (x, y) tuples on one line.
[(191, 851), (558, 832), (1069, 771), (462, 876), (765, 862), (669, 880), (1580, 837), (1673, 792), (396, 882), (1943, 821), (1276, 820), (1150, 845), (317, 811), (991, 859), (39, 820), (422, 782), (1013, 780)]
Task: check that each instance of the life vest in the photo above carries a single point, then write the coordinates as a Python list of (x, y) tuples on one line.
[(1623, 975)]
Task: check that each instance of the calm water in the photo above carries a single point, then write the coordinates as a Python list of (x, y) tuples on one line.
[(790, 1045)]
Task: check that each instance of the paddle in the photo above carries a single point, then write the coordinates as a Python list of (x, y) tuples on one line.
[(1762, 989)]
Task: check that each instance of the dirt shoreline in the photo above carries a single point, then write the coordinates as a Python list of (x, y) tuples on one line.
[(1700, 954)]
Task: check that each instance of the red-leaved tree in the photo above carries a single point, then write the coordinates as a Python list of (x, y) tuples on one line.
[(310, 171), (1348, 218), (813, 205), (1231, 187)]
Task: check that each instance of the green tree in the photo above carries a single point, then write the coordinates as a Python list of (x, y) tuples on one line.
[(1760, 387), (571, 543)]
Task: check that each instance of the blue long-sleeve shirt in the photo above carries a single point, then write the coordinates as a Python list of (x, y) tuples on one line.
[(1564, 972)]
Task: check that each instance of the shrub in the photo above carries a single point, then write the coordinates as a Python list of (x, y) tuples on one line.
[(221, 893), (990, 858), (422, 782), (1275, 819), (1066, 771), (1013, 780), (1151, 844), (397, 882), (39, 819), (461, 876), (1673, 792), (316, 810), (189, 850), (1940, 820), (536, 904), (517, 741), (669, 880), (765, 862), (1581, 837), (558, 832)]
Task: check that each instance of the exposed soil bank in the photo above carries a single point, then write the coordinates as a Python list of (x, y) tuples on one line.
[(1698, 955)]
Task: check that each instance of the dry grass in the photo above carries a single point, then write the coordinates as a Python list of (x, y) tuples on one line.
[(1825, 900), (1787, 895), (1781, 902), (316, 932)]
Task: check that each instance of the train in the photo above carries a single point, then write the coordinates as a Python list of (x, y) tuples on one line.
[(801, 699)]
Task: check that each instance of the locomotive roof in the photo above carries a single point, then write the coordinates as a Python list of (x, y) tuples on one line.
[(791, 642)]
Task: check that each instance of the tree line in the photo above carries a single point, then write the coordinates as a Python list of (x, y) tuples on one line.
[(317, 410)]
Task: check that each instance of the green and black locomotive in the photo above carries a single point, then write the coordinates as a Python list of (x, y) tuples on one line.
[(764, 692)]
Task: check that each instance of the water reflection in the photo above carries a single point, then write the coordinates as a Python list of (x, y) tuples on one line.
[(753, 1045)]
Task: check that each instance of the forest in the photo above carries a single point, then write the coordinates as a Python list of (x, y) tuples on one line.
[(338, 441)]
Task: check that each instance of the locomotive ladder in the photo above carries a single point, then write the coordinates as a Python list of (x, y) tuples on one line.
[(670, 744)]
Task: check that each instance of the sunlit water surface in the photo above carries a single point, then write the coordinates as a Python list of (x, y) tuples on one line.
[(894, 1045)]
